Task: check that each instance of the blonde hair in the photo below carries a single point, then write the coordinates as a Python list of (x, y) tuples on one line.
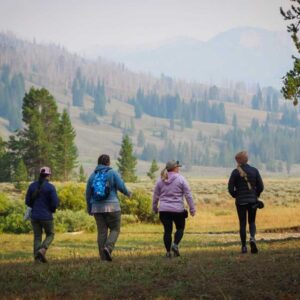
[(164, 174)]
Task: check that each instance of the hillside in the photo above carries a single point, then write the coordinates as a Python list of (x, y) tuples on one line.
[(53, 67)]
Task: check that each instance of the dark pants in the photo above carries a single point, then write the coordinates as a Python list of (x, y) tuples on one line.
[(38, 227), (105, 221), (167, 219), (242, 211)]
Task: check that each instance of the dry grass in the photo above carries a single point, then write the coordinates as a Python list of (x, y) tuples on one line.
[(210, 266)]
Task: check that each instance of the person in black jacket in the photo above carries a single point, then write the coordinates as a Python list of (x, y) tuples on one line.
[(245, 185), (41, 196)]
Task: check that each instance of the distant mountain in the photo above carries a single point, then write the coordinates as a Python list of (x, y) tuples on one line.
[(252, 55)]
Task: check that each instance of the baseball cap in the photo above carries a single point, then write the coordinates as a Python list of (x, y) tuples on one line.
[(171, 164), (45, 170)]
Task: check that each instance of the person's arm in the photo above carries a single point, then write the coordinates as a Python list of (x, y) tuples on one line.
[(88, 194), (231, 184), (155, 197), (188, 196), (120, 185), (53, 199), (259, 184), (28, 197)]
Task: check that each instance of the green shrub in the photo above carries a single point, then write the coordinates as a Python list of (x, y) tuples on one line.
[(70, 221), (140, 205), (129, 219), (4, 204), (72, 196), (14, 223)]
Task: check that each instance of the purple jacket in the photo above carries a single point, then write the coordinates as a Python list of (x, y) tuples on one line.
[(170, 194)]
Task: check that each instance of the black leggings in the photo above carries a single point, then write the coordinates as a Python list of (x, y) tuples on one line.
[(167, 219), (242, 213)]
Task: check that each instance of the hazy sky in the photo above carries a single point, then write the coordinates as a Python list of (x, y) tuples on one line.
[(78, 24)]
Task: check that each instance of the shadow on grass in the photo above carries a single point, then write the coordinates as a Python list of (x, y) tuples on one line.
[(200, 274)]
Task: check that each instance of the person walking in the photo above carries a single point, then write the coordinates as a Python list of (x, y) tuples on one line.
[(169, 192), (103, 203), (41, 196), (245, 185)]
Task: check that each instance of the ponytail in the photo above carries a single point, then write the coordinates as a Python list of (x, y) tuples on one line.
[(164, 174)]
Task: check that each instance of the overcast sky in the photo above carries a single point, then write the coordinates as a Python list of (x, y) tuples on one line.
[(78, 24)]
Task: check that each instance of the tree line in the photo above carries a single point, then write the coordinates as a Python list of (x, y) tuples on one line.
[(173, 107)]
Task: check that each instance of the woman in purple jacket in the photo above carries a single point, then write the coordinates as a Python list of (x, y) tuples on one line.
[(169, 192)]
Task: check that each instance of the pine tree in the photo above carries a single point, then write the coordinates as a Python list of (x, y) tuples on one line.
[(78, 89), (36, 143), (100, 100), (66, 148), (141, 139), (153, 169), (127, 161), (82, 176), (5, 173), (20, 175)]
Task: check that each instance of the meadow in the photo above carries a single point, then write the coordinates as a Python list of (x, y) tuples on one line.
[(210, 265)]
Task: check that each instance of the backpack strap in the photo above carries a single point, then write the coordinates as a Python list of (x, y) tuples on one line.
[(244, 175)]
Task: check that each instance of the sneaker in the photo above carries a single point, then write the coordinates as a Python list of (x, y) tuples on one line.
[(107, 254), (41, 255), (168, 255), (175, 250), (253, 246), (244, 249)]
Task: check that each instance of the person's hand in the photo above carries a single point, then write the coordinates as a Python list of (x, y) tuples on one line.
[(193, 213), (130, 195), (155, 210)]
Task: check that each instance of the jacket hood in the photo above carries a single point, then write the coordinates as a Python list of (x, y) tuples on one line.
[(171, 177), (101, 168)]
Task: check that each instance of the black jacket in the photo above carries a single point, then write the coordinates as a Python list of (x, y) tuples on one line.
[(238, 188)]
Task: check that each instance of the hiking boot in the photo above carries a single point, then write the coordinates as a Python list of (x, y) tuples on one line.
[(253, 246), (244, 250), (107, 254), (175, 250), (169, 255), (41, 255)]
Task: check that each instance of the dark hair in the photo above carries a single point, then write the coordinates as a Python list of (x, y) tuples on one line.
[(42, 178), (104, 159)]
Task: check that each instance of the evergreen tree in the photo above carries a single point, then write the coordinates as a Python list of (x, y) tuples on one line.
[(141, 139), (137, 110), (234, 121), (82, 176), (291, 81), (100, 100), (20, 175), (126, 161), (36, 143), (78, 89), (66, 148), (116, 119), (5, 164), (153, 169)]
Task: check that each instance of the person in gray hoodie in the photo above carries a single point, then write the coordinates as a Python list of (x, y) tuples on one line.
[(107, 211), (169, 192)]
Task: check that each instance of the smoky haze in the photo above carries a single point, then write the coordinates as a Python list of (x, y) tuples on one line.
[(79, 24)]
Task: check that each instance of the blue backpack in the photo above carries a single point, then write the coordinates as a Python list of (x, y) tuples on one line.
[(100, 185)]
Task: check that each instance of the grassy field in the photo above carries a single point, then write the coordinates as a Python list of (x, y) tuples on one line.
[(210, 266)]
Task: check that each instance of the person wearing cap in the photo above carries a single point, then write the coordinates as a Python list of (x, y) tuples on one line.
[(41, 196), (169, 193), (107, 212), (245, 185)]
